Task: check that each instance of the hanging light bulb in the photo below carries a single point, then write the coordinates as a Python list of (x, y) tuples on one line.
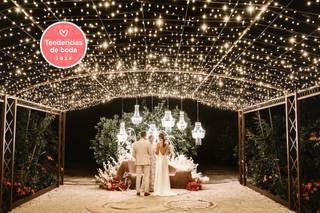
[(168, 121), (182, 124), (136, 118), (198, 132), (122, 136)]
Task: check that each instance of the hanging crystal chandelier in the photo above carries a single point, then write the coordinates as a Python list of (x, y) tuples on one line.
[(182, 124), (198, 132), (153, 130), (168, 121), (122, 136), (136, 118)]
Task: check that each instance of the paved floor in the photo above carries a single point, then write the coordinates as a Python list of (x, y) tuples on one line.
[(81, 195)]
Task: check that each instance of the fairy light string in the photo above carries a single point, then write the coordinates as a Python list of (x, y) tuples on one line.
[(225, 54)]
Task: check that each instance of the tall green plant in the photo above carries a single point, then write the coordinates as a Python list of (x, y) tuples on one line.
[(310, 152), (104, 145), (36, 151), (266, 154)]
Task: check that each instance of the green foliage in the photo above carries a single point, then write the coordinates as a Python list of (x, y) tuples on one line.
[(35, 152), (310, 152), (104, 145), (266, 154), (260, 153)]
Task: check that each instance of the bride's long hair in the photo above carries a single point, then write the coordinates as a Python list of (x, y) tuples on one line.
[(163, 137)]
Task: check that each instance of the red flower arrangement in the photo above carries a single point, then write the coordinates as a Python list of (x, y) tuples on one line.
[(194, 185), (309, 189), (19, 188), (115, 184)]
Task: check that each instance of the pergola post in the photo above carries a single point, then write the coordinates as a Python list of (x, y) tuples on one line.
[(241, 139), (7, 149), (61, 148), (293, 152)]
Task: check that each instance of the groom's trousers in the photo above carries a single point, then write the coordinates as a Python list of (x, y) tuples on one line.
[(145, 170)]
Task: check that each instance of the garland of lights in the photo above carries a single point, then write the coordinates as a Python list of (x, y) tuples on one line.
[(224, 54)]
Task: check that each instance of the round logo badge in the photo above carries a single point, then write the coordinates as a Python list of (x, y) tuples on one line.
[(63, 45)]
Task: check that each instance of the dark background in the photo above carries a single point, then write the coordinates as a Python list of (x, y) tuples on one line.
[(216, 149)]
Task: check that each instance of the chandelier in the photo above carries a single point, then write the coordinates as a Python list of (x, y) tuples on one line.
[(153, 130), (136, 118), (181, 124), (168, 121), (198, 132), (122, 136)]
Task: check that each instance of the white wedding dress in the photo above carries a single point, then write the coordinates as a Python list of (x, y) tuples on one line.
[(162, 181)]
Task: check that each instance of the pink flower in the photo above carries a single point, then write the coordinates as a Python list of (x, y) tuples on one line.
[(309, 186)]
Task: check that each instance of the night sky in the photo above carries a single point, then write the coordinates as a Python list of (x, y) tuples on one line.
[(213, 152)]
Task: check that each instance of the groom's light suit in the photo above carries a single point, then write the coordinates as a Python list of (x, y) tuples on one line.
[(142, 151)]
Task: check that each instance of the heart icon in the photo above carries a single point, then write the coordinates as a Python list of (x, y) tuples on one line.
[(63, 32)]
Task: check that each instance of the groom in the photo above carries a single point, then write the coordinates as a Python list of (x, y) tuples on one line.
[(142, 151)]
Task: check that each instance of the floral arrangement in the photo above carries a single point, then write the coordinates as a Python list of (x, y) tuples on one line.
[(181, 162), (194, 185), (311, 193), (107, 177), (19, 189)]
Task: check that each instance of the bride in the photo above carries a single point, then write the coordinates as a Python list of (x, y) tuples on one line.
[(162, 180)]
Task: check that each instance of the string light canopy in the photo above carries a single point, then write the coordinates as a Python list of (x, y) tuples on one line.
[(226, 54)]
